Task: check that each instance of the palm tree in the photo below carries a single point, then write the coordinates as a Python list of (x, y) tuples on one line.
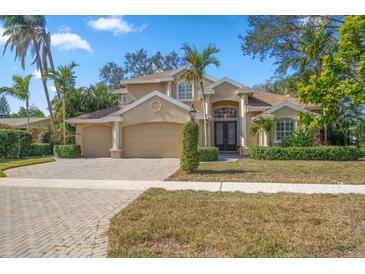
[(47, 54), (198, 61), (20, 90), (265, 123), (26, 33), (64, 79)]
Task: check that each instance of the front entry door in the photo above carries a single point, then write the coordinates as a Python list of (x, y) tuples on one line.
[(226, 135)]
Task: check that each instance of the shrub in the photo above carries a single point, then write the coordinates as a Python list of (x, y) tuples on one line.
[(44, 137), (40, 149), (207, 154), (14, 143), (302, 138), (332, 153), (67, 151), (189, 161), (363, 150)]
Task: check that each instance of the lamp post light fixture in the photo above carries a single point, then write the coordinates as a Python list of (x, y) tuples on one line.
[(192, 113)]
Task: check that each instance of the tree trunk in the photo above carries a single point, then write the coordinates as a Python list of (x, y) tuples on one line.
[(50, 58), (27, 107), (44, 81), (64, 118), (204, 115)]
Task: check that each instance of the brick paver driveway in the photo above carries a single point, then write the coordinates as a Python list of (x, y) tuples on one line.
[(99, 169), (57, 222)]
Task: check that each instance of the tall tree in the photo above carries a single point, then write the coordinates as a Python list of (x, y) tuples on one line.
[(26, 33), (47, 53), (341, 82), (88, 99), (4, 107), (64, 79), (198, 61), (33, 111), (284, 86), (111, 74), (283, 38), (139, 63), (20, 90)]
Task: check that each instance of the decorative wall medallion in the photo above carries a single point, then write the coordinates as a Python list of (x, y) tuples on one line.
[(155, 106)]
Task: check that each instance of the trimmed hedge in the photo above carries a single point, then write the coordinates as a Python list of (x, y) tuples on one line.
[(189, 160), (14, 143), (67, 151), (363, 150), (332, 153), (207, 154), (40, 149)]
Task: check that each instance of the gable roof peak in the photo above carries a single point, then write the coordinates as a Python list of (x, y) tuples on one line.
[(226, 80)]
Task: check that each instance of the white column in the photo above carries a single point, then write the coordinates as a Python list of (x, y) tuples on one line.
[(168, 91), (116, 135), (265, 139), (243, 114), (116, 151)]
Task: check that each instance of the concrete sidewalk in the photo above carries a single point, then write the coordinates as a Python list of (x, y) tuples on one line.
[(247, 187)]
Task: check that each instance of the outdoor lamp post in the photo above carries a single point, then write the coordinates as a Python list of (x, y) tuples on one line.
[(192, 113)]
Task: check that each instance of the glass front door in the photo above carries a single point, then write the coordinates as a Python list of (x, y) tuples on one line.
[(226, 135)]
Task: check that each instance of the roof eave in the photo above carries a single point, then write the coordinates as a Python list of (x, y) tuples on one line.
[(160, 80), (92, 121)]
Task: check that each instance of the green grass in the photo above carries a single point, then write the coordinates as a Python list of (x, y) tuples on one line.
[(11, 163), (188, 223), (266, 171)]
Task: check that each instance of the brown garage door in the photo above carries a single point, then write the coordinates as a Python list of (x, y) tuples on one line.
[(97, 141), (152, 140)]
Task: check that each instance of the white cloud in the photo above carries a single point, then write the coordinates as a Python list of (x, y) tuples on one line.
[(115, 24), (64, 28), (3, 39), (52, 88), (37, 74), (66, 40)]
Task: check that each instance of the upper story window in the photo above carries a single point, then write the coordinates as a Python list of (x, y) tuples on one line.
[(225, 112), (284, 128), (185, 91)]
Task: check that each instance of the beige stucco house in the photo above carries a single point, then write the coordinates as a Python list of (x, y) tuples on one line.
[(152, 110)]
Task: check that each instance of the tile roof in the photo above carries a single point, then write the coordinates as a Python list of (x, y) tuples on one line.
[(16, 122), (153, 76), (266, 99), (99, 113)]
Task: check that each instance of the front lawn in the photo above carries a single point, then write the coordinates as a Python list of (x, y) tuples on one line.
[(249, 170), (11, 163), (188, 223)]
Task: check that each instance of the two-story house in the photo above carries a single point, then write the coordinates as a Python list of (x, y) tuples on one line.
[(152, 110)]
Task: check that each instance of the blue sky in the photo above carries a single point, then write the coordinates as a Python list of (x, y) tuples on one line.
[(92, 41)]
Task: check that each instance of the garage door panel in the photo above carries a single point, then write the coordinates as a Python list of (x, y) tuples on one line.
[(97, 141), (152, 140)]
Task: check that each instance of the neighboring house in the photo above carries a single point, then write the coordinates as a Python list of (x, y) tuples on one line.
[(152, 110), (21, 123)]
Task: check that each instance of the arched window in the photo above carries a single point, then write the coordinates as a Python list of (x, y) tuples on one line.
[(225, 112), (184, 91), (284, 128)]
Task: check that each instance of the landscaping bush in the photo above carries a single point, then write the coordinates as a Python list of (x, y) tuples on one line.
[(67, 151), (40, 149), (189, 161), (14, 143), (44, 137), (207, 154), (302, 138), (363, 150), (332, 153)]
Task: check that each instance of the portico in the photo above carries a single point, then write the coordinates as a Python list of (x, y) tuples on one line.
[(226, 106)]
